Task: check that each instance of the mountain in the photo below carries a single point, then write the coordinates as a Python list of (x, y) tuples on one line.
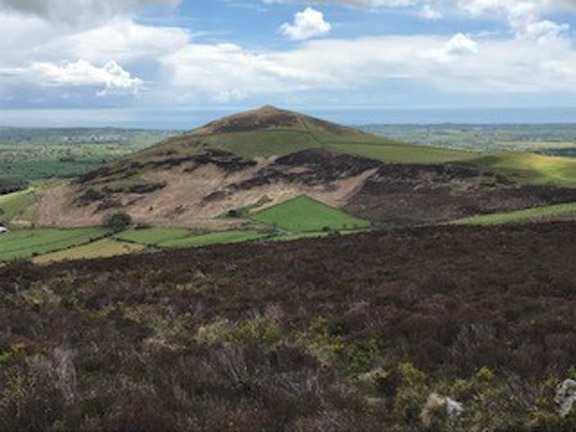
[(257, 159)]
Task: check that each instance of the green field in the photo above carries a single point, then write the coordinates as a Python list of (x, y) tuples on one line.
[(560, 211), (303, 214), (104, 248), (28, 243)]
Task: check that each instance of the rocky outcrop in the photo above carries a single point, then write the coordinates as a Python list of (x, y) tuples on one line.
[(441, 412), (566, 397)]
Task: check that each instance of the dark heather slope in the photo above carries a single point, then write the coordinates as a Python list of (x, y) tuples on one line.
[(341, 334), (401, 195)]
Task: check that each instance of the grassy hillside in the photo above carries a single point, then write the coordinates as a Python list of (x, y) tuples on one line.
[(27, 243), (560, 211), (405, 154), (531, 168), (313, 133), (271, 132), (264, 143), (14, 204), (305, 214)]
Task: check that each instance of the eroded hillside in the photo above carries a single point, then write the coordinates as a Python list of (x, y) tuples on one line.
[(264, 157)]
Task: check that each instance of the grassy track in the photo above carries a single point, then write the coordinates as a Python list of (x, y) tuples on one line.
[(303, 214), (154, 236), (27, 243), (212, 238), (534, 214), (297, 236), (99, 249)]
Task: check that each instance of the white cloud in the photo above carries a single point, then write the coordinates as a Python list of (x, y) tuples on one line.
[(120, 39), (460, 45), (543, 31), (358, 3), (226, 72), (47, 54), (458, 64), (77, 12), (428, 12), (473, 6), (524, 16), (110, 78), (307, 24), (37, 52)]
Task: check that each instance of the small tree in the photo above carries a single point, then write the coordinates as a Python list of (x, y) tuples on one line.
[(117, 221)]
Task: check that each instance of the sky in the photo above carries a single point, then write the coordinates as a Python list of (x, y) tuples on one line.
[(118, 62)]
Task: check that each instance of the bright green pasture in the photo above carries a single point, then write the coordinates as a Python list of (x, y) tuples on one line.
[(303, 214)]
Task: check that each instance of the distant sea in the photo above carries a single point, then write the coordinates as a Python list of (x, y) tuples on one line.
[(187, 118)]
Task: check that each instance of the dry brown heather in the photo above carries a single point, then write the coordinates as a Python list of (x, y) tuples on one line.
[(340, 334)]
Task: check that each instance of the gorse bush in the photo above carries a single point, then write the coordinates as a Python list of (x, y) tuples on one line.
[(118, 221)]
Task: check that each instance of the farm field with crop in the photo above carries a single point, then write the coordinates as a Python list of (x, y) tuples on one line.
[(104, 248)]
